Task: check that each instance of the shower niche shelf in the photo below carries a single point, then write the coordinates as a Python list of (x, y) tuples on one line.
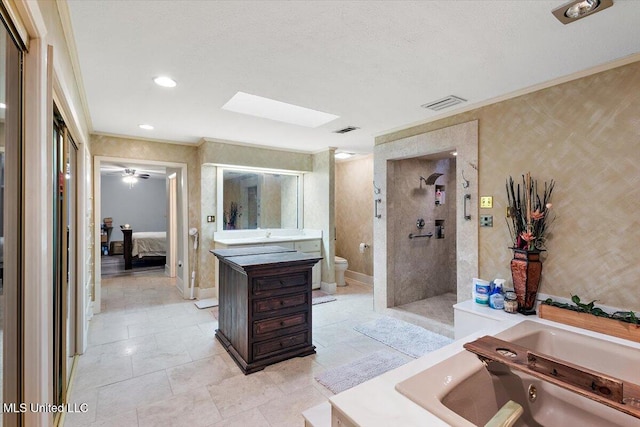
[(439, 233), (439, 189)]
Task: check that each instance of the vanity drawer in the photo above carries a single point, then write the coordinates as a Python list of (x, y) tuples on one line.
[(267, 285), (263, 327), (308, 246), (265, 348), (285, 301)]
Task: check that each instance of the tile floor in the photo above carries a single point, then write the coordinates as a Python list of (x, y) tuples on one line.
[(153, 360)]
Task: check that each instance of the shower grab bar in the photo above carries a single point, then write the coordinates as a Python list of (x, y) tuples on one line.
[(466, 215), (415, 236)]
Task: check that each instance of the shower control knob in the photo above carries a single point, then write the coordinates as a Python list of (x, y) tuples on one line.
[(420, 223)]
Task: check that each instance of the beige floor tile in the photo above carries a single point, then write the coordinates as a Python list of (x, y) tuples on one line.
[(204, 347), (107, 333), (146, 326), (117, 419), (239, 394), (294, 374), (127, 395), (197, 374), (151, 327), (194, 408), (336, 354), (252, 418), (102, 370), (159, 358), (287, 411), (126, 347), (80, 397)]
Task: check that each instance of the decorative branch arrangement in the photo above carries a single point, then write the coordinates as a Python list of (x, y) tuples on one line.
[(528, 212)]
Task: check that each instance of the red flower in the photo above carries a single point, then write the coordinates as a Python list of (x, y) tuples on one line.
[(536, 215), (527, 236)]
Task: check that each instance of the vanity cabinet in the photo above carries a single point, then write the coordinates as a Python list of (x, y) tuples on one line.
[(264, 304)]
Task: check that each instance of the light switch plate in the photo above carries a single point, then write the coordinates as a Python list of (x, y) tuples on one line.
[(486, 202)]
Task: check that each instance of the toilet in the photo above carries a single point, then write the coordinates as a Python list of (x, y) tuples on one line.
[(341, 266)]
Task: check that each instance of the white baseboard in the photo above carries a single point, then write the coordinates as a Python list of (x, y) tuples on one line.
[(329, 288), (206, 293), (359, 277)]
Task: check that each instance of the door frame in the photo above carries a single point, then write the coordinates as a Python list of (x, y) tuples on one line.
[(183, 280)]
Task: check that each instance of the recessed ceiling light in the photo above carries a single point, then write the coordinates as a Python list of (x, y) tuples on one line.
[(342, 155), (454, 153), (145, 127), (271, 109), (3, 105), (165, 81), (577, 9)]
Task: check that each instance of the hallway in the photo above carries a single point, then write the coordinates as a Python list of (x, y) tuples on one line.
[(153, 361)]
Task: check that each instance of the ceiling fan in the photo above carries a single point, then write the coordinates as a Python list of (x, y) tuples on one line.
[(130, 176), (132, 173)]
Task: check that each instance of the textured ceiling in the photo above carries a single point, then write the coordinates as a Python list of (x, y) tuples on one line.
[(373, 63)]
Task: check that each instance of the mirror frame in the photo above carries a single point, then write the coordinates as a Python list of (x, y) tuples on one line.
[(220, 192)]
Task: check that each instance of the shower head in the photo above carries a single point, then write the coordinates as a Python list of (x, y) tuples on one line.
[(431, 180)]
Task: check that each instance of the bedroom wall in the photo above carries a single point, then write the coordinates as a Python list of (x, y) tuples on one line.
[(143, 206)]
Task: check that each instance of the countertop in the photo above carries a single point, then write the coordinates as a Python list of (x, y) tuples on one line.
[(377, 403), (272, 239), (265, 255)]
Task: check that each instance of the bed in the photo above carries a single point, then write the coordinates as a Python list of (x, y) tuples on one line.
[(143, 244)]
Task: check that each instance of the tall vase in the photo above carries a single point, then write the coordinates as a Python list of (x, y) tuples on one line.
[(526, 269)]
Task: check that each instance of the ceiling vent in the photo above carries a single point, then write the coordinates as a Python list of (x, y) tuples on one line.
[(347, 129), (443, 103)]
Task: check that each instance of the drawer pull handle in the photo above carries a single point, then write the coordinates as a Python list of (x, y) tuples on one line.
[(282, 323), (281, 302)]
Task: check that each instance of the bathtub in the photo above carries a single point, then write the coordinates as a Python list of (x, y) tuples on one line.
[(463, 392)]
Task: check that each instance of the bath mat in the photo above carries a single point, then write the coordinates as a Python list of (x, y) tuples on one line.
[(320, 297), (207, 303), (351, 374), (405, 337)]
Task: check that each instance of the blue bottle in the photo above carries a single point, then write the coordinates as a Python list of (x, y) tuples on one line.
[(496, 298)]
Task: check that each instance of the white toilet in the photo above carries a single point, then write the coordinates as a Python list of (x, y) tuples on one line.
[(341, 266)]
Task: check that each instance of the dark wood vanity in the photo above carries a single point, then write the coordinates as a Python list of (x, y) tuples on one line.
[(264, 305)]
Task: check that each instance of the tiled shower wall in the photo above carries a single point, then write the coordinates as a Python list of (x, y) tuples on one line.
[(423, 267), (584, 134)]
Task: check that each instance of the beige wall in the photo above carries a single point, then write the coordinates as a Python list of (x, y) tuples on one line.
[(319, 207), (354, 212), (585, 134)]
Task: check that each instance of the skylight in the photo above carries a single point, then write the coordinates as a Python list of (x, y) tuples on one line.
[(271, 109)]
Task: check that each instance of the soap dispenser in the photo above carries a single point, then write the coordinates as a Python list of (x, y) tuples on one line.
[(496, 299)]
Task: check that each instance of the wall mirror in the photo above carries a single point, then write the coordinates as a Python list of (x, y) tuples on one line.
[(253, 199)]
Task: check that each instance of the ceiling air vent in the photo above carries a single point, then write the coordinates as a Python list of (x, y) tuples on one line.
[(345, 130), (443, 103)]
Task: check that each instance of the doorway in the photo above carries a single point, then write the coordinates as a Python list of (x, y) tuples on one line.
[(181, 213)]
